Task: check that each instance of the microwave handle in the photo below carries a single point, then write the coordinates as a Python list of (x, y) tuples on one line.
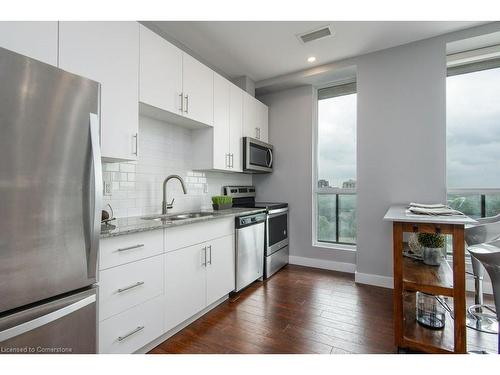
[(269, 165)]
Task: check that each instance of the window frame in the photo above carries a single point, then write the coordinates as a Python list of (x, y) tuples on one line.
[(316, 191)]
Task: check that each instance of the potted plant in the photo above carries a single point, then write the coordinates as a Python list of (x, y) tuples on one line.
[(432, 248), (222, 202)]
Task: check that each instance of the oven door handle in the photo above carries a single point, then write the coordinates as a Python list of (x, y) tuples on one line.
[(278, 212)]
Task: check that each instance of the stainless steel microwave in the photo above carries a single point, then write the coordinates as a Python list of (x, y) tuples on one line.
[(257, 156)]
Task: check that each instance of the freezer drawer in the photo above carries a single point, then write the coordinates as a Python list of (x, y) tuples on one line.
[(276, 261), (65, 325)]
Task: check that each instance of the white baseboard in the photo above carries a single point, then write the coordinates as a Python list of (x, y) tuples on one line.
[(323, 264), (371, 279)]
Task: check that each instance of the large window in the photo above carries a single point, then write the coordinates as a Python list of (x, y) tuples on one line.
[(473, 138), (335, 177)]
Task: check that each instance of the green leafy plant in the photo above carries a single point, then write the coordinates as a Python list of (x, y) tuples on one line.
[(431, 240), (222, 199)]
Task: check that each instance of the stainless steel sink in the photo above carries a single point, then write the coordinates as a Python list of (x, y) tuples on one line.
[(177, 217)]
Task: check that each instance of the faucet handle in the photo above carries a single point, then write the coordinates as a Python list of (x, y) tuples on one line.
[(171, 204)]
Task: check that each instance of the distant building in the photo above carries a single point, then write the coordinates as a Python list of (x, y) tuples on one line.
[(349, 184), (323, 183)]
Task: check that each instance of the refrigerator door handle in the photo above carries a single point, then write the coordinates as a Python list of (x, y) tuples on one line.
[(96, 191), (45, 319)]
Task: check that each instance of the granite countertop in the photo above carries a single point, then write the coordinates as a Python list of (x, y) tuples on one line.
[(136, 224)]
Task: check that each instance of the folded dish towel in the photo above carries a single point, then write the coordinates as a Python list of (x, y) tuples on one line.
[(433, 209)]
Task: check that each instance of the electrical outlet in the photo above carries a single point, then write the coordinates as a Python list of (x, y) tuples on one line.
[(108, 186)]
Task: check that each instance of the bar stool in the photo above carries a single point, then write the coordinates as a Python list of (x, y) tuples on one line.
[(488, 230), (489, 256)]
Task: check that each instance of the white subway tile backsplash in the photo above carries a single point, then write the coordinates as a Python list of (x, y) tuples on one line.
[(164, 149)]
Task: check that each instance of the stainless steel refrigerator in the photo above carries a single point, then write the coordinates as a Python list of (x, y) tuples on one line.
[(50, 207)]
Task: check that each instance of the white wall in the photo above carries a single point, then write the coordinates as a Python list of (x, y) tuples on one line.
[(400, 156), (401, 151), (164, 149), (290, 117)]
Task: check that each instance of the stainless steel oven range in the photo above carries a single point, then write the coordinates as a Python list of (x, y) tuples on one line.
[(276, 252)]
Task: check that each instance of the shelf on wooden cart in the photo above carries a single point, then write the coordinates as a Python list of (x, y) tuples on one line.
[(424, 339), (418, 276)]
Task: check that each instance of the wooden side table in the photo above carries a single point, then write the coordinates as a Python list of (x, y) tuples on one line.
[(411, 276)]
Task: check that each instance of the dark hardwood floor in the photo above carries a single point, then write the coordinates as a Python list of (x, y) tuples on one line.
[(300, 310)]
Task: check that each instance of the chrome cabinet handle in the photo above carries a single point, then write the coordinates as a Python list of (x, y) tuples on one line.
[(204, 263), (226, 158), (257, 133), (139, 283), (182, 102), (136, 136), (232, 160), (187, 104), (210, 257), (138, 329), (131, 247)]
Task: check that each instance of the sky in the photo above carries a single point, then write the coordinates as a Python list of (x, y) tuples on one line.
[(473, 130), (337, 139), (473, 133)]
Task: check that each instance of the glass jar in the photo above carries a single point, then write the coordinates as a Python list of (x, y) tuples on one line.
[(429, 311)]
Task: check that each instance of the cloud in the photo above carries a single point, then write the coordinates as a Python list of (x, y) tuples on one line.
[(337, 139), (473, 129)]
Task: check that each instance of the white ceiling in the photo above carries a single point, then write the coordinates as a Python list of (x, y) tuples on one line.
[(264, 49)]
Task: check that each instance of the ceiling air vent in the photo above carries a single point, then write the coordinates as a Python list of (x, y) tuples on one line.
[(321, 33)]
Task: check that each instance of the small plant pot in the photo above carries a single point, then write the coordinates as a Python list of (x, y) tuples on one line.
[(222, 206), (432, 256)]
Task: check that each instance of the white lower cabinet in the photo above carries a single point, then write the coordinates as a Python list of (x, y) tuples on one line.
[(129, 285), (131, 330), (199, 273), (147, 296), (184, 284), (220, 268)]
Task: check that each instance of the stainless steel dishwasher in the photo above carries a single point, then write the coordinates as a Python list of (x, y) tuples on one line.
[(250, 234)]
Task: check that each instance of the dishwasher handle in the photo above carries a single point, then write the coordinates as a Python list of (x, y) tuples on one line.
[(245, 221)]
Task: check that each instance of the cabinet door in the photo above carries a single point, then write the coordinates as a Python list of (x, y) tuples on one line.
[(185, 284), (250, 117), (198, 88), (107, 52), (263, 120), (35, 39), (236, 127), (220, 268), (160, 79), (221, 122)]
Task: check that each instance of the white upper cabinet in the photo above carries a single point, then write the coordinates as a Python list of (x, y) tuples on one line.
[(175, 83), (160, 72), (236, 127), (108, 52), (220, 147), (221, 131), (255, 118), (198, 90), (35, 39)]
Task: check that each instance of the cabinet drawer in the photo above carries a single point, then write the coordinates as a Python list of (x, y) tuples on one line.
[(187, 235), (121, 288), (132, 329), (119, 250)]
